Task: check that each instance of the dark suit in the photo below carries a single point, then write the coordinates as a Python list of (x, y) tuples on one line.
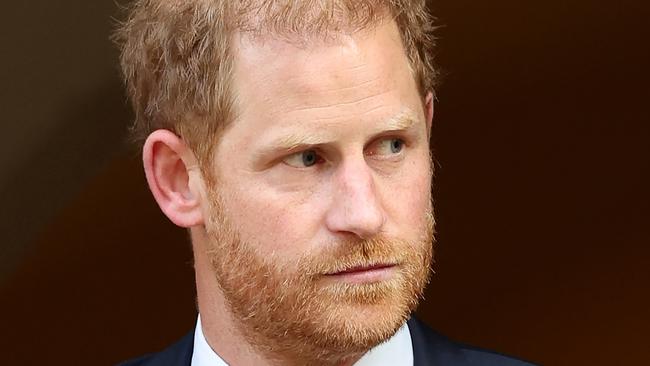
[(429, 348)]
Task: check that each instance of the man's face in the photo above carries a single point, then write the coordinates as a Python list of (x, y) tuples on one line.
[(319, 209)]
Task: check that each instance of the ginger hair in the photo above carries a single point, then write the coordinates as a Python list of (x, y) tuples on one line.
[(177, 61)]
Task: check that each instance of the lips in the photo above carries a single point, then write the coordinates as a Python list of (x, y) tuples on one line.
[(363, 268)]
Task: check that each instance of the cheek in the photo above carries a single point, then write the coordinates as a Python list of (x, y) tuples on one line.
[(278, 223), (408, 198)]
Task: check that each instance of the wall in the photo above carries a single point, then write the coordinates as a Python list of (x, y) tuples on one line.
[(543, 161)]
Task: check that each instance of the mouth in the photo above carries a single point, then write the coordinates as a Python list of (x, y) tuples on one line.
[(364, 273), (363, 268)]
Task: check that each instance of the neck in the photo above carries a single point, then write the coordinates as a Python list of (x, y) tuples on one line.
[(223, 332)]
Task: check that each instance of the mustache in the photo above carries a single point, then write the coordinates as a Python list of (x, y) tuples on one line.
[(350, 254)]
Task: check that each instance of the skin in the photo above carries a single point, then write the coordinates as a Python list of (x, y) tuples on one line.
[(348, 102)]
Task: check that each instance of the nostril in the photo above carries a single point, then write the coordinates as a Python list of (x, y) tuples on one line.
[(363, 222)]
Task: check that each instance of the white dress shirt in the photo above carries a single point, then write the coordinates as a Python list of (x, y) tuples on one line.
[(397, 351)]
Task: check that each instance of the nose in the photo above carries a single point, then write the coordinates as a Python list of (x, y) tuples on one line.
[(355, 208)]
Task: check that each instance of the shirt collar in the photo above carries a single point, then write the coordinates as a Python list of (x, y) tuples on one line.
[(398, 350), (203, 355)]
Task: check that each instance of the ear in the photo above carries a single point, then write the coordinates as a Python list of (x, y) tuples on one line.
[(428, 112), (170, 166)]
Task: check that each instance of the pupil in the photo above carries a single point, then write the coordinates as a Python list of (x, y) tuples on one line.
[(396, 146), (309, 158)]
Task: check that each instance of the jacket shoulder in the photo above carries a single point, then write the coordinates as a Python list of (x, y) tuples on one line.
[(179, 354), (432, 348)]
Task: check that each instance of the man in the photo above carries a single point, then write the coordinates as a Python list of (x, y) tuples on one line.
[(292, 139)]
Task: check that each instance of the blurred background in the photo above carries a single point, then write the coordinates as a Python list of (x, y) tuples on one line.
[(542, 138)]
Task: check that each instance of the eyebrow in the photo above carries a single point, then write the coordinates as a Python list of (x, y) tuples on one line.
[(293, 141), (402, 121)]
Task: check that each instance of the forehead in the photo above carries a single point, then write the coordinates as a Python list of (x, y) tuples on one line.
[(335, 86), (303, 71)]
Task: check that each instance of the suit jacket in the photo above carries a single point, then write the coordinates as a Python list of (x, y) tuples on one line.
[(429, 348)]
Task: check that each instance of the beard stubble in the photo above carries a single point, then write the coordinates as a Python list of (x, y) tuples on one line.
[(284, 307)]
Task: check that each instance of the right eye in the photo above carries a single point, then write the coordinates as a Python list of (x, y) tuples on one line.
[(303, 159)]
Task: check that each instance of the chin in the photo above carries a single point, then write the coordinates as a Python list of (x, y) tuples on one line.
[(357, 327)]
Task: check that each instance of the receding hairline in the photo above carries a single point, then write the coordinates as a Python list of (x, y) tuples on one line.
[(177, 62), (306, 18), (400, 121)]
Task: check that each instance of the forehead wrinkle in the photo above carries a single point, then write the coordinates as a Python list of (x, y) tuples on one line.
[(308, 90), (338, 104), (346, 80)]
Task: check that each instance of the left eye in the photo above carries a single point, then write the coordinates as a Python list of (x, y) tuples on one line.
[(303, 159), (390, 146)]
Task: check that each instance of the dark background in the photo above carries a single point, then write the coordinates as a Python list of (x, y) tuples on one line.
[(542, 137)]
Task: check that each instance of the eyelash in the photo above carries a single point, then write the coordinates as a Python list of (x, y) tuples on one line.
[(405, 144), (403, 141)]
